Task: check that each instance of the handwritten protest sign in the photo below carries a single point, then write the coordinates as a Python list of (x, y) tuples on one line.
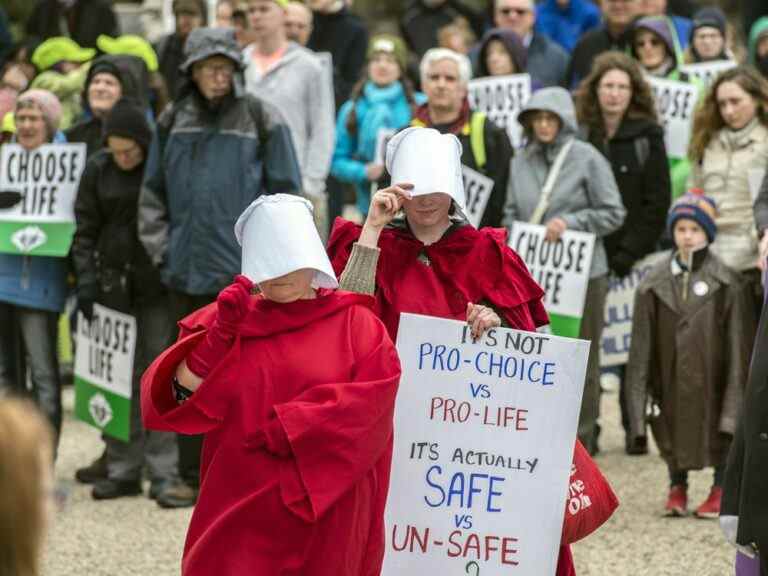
[(484, 436), (562, 270), (501, 98), (104, 370), (619, 308), (43, 223), (706, 72), (477, 188), (675, 103)]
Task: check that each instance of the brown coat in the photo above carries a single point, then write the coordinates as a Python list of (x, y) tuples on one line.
[(689, 360)]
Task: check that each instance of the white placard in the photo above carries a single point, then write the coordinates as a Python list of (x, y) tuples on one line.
[(105, 350), (619, 309), (706, 72), (675, 103), (501, 98), (47, 177), (484, 436), (561, 268), (477, 188), (755, 176)]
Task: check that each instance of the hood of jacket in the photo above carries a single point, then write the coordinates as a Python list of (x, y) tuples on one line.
[(663, 27), (556, 100), (203, 43), (511, 42), (759, 31), (131, 71)]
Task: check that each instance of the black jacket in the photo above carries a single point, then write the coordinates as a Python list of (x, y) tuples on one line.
[(134, 80), (106, 238), (420, 23), (589, 46), (745, 491), (86, 21), (345, 36), (170, 56), (639, 162)]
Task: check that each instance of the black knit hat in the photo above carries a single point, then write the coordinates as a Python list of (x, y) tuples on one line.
[(709, 17), (128, 120)]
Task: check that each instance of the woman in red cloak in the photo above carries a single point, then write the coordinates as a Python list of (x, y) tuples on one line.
[(294, 390), (432, 261)]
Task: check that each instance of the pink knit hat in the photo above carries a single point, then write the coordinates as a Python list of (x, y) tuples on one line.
[(47, 102)]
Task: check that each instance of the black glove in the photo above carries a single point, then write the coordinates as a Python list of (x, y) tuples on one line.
[(86, 298), (9, 199), (621, 264)]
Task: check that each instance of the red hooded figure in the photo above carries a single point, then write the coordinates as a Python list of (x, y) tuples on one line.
[(294, 390), (432, 262)]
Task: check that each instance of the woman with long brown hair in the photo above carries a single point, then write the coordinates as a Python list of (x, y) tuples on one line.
[(383, 100), (26, 486), (616, 111), (729, 147)]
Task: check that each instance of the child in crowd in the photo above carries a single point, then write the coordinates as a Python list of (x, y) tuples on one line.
[(689, 355)]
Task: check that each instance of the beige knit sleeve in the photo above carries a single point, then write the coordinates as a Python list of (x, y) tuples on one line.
[(360, 272)]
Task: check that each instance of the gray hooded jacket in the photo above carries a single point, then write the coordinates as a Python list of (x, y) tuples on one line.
[(585, 194), (300, 85)]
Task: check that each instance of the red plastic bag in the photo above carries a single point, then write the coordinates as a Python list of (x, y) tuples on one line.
[(590, 501)]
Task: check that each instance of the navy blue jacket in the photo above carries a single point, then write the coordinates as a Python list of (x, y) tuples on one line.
[(205, 167)]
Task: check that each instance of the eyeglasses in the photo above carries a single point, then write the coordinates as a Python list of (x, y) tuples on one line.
[(517, 11), (214, 70), (652, 42)]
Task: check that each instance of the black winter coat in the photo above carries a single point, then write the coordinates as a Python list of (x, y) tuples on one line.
[(745, 491), (639, 162), (345, 36), (170, 56), (589, 47), (498, 153), (421, 23), (106, 238), (86, 21)]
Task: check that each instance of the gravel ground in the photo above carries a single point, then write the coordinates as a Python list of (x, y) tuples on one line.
[(133, 536)]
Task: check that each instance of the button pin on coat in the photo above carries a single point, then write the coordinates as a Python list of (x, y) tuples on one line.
[(701, 288)]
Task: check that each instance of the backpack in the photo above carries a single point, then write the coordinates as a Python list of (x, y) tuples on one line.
[(255, 111)]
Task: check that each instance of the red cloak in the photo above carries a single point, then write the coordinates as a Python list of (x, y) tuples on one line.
[(322, 373), (466, 265)]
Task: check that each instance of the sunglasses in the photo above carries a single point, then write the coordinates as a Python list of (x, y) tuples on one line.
[(517, 11)]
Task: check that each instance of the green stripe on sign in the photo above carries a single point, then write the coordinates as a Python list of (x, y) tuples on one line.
[(567, 326), (103, 409), (36, 238)]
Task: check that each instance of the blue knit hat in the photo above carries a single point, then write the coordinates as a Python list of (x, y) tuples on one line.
[(697, 207)]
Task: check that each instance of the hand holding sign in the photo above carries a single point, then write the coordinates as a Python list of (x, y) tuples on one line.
[(480, 318), (555, 229)]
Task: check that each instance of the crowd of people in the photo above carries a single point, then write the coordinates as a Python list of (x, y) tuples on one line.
[(287, 99)]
